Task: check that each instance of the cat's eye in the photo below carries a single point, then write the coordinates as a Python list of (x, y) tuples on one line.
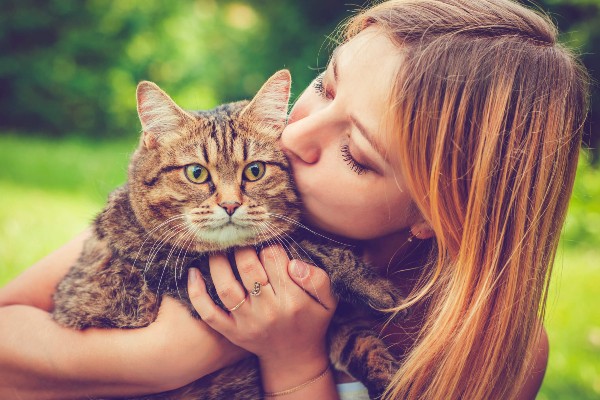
[(254, 171), (196, 173)]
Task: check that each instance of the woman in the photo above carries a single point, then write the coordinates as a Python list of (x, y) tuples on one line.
[(443, 136)]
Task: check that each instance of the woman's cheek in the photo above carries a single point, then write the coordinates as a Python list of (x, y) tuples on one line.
[(329, 206)]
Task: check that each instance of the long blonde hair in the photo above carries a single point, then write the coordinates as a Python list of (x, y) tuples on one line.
[(488, 110)]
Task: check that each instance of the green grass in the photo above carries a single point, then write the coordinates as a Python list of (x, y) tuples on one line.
[(51, 190), (573, 325)]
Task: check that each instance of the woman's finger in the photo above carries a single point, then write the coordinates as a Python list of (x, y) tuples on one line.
[(209, 312), (250, 268), (275, 260), (314, 281), (229, 290)]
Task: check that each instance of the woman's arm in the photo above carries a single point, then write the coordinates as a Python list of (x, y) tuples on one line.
[(285, 325), (36, 285), (41, 360)]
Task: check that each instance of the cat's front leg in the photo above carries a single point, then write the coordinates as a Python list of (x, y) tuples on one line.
[(356, 349), (101, 290)]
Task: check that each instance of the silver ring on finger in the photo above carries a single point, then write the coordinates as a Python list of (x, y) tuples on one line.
[(256, 289)]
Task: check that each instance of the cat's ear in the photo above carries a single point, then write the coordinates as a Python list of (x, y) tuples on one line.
[(268, 109), (161, 118)]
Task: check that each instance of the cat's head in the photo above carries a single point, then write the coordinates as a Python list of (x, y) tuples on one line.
[(211, 180)]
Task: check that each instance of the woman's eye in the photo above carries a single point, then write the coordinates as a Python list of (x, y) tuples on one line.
[(352, 163), (196, 173), (320, 88), (254, 171), (318, 84)]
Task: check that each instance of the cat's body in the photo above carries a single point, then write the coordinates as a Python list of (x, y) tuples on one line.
[(176, 209)]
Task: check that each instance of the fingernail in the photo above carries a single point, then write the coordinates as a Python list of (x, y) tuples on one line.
[(299, 269), (193, 275)]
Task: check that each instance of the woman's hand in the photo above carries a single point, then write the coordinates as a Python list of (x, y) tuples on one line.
[(284, 325)]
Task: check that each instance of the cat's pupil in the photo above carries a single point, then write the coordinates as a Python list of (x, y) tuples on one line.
[(255, 170), (197, 171)]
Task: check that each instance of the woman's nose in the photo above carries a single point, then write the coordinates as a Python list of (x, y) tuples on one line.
[(305, 137), (299, 138)]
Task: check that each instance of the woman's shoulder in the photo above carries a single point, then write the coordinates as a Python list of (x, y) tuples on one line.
[(533, 381)]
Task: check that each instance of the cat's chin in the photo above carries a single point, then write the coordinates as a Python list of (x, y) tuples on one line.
[(227, 236)]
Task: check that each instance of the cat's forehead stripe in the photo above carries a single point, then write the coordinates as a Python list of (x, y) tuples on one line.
[(223, 140), (245, 149)]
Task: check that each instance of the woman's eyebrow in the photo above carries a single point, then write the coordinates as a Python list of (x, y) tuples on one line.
[(334, 64), (361, 128), (370, 138)]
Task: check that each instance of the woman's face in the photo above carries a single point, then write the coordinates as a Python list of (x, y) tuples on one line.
[(335, 142)]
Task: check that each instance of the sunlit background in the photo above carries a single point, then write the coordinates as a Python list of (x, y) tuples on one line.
[(68, 72)]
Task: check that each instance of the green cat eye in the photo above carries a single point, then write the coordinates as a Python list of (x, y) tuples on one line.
[(196, 173), (254, 171)]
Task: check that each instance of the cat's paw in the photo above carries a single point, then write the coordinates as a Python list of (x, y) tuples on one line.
[(384, 295), (381, 375)]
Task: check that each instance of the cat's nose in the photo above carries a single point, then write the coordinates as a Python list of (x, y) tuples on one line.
[(229, 206)]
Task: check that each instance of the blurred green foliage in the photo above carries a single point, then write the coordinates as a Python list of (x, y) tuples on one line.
[(70, 67), (579, 24), (582, 227)]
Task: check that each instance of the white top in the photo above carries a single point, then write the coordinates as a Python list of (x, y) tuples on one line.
[(352, 391)]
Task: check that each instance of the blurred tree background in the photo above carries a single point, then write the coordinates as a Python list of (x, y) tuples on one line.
[(68, 72), (69, 67)]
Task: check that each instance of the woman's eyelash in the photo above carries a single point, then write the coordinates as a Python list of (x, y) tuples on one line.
[(318, 85), (354, 165)]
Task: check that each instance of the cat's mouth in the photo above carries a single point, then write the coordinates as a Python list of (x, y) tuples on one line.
[(227, 234), (226, 231)]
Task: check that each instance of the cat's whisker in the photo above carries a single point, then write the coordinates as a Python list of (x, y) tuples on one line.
[(154, 252), (166, 262), (276, 238), (185, 245), (195, 232), (174, 268), (164, 239), (157, 245), (308, 257), (176, 274), (183, 238), (174, 248), (149, 233), (280, 234), (269, 241), (281, 239), (300, 225), (158, 242), (284, 242), (173, 228), (273, 240), (273, 237)]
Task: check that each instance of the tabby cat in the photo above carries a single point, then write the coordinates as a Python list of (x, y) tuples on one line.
[(173, 212)]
